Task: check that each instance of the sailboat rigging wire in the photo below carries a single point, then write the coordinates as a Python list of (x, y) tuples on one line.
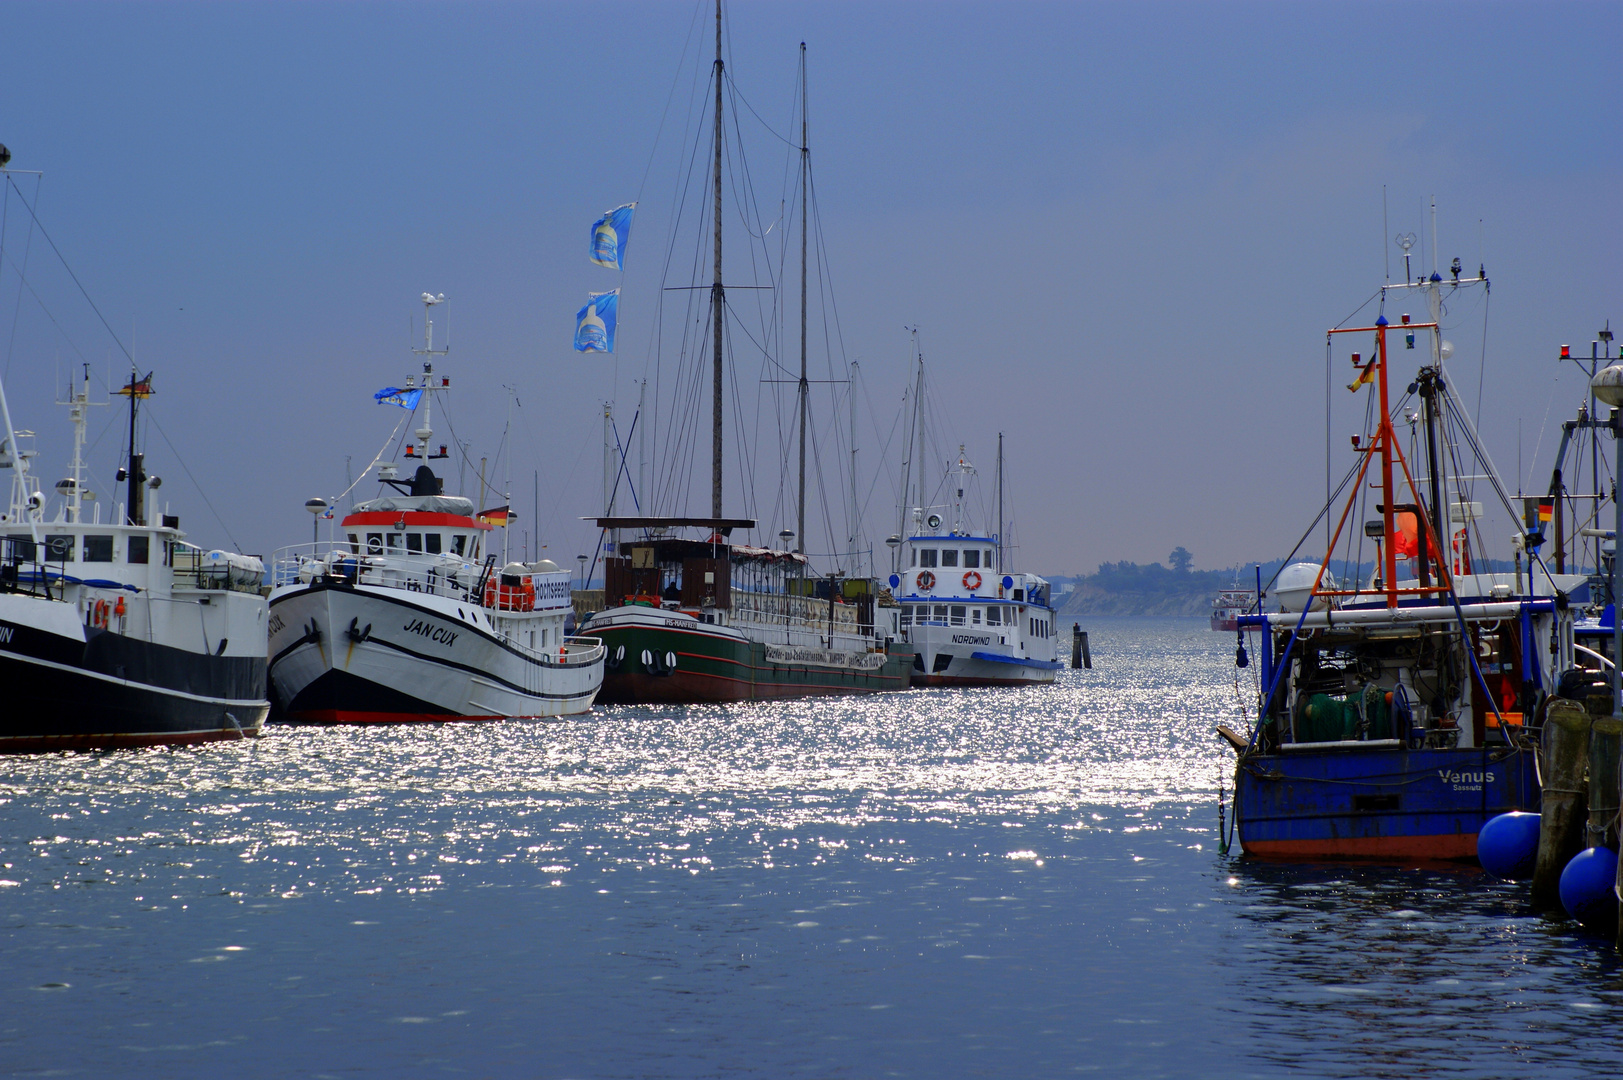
[(153, 420), (26, 284), (1469, 430), (22, 275), (1482, 363)]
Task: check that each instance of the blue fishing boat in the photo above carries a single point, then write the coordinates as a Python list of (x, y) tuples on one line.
[(1397, 711)]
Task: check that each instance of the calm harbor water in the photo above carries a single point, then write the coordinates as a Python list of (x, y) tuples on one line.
[(932, 884)]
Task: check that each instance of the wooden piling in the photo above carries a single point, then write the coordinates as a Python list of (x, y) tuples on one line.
[(1605, 741), (1564, 802), (1080, 657)]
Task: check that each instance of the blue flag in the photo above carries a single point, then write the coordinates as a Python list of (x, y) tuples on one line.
[(594, 323), (393, 395), (609, 235)]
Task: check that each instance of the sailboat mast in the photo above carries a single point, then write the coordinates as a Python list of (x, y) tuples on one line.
[(800, 528), (1000, 503), (718, 302)]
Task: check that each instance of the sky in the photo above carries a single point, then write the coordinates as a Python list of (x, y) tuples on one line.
[(1119, 230)]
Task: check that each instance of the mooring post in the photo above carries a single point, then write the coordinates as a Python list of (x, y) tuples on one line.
[(1605, 737), (1563, 803), (1079, 647)]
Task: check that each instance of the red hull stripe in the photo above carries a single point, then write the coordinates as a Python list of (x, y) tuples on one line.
[(346, 716), (1452, 846), (414, 517)]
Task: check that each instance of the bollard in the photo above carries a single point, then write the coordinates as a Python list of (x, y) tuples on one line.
[(1563, 803)]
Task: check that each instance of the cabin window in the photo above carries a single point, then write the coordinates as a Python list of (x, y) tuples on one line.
[(907, 616), (59, 548), (98, 549), (392, 542), (431, 543), (940, 613), (927, 557), (949, 557), (457, 542), (972, 558), (915, 559), (374, 543), (975, 616), (1019, 594), (414, 543), (354, 543), (21, 549), (959, 613)]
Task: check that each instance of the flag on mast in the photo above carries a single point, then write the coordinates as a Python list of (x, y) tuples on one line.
[(393, 395), (495, 516), (138, 388), (594, 323), (609, 235)]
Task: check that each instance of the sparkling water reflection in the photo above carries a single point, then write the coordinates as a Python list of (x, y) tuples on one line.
[(970, 883)]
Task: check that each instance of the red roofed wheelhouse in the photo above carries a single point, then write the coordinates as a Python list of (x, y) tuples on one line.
[(410, 614)]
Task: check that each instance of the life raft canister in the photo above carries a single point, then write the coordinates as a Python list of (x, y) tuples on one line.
[(972, 580), (926, 580)]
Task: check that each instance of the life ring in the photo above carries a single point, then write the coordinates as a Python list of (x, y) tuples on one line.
[(972, 580), (926, 580), (98, 617)]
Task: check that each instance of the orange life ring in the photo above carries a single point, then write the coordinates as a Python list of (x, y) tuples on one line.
[(99, 615), (926, 580), (972, 580)]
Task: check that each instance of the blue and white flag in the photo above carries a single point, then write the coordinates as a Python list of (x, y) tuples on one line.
[(393, 395), (609, 235), (594, 323)]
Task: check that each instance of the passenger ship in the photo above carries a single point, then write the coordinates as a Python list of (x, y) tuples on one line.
[(413, 616), (119, 633), (970, 623)]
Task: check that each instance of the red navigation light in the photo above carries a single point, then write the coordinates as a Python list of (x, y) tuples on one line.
[(1358, 358), (411, 452), (1566, 352), (445, 380), (1405, 319)]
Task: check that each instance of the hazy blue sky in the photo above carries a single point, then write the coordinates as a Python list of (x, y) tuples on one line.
[(1122, 230)]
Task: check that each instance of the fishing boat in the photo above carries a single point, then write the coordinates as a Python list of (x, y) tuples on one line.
[(412, 614), (701, 617), (1394, 712), (969, 622), (117, 632)]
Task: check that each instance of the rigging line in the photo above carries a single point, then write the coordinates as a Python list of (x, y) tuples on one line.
[(1469, 430), (1356, 310), (698, 8), (770, 129), (1482, 364), (41, 302), (153, 420), (82, 291), (384, 450), (22, 278)]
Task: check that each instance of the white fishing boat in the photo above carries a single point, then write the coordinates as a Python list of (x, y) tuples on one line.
[(414, 615), (970, 622), (119, 633)]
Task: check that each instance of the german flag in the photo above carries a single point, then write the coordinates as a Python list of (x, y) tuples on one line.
[(1365, 377), (138, 388), (1546, 510), (495, 516)]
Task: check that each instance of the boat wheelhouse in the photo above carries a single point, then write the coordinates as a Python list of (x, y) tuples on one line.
[(414, 616)]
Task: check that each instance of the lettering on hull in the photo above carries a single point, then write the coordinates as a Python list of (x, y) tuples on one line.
[(424, 628), (1464, 781), (5, 634)]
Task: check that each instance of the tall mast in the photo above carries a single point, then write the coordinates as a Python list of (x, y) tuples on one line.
[(134, 510), (426, 432), (855, 528), (718, 302), (1000, 503), (805, 151)]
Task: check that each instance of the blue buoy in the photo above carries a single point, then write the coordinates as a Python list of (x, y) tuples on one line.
[(1587, 886), (1507, 846)]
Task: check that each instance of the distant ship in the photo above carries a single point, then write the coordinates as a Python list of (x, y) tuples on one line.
[(1229, 605)]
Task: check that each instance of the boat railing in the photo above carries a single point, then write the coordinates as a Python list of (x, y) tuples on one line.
[(792, 612), (23, 571), (447, 576)]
